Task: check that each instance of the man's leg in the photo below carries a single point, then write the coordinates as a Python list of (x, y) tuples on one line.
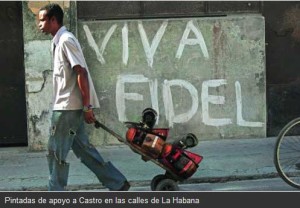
[(62, 133), (107, 174), (59, 171)]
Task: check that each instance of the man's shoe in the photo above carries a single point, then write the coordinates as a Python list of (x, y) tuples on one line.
[(125, 187), (297, 165)]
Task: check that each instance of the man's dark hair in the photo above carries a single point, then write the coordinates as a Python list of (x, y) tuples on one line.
[(54, 10)]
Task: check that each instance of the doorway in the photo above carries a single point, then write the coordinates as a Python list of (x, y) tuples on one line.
[(13, 122)]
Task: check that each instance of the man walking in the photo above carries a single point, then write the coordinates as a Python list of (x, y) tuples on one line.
[(73, 103)]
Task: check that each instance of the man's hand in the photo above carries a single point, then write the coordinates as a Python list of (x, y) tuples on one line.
[(89, 116)]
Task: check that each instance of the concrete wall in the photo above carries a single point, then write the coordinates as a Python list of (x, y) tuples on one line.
[(203, 75)]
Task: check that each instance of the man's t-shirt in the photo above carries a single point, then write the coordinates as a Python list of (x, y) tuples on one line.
[(67, 54)]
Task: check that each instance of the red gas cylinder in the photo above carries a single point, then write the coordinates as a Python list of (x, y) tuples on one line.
[(162, 132), (153, 145), (166, 150), (130, 134)]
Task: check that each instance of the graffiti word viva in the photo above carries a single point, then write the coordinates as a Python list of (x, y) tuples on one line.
[(149, 49), (206, 99)]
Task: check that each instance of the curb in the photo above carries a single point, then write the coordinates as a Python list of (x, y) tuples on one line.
[(143, 183)]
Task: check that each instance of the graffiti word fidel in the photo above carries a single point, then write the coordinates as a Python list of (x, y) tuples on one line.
[(149, 49), (206, 99)]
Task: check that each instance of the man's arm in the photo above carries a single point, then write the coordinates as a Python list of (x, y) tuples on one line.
[(82, 79)]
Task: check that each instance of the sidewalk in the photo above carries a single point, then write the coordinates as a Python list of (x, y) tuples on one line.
[(228, 159)]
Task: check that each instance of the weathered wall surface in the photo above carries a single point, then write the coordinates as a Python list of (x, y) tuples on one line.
[(203, 75)]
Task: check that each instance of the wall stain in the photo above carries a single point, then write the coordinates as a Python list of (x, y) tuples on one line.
[(219, 40), (260, 81), (36, 119)]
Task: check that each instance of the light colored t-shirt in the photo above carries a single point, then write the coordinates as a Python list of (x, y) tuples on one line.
[(67, 54)]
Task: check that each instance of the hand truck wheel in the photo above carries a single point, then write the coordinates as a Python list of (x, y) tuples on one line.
[(167, 184), (156, 180)]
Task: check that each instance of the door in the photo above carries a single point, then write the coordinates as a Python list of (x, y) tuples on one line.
[(13, 122), (283, 52)]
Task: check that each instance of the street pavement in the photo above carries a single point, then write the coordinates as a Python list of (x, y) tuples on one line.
[(223, 160)]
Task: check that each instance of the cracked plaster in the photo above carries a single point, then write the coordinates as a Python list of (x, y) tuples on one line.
[(38, 74)]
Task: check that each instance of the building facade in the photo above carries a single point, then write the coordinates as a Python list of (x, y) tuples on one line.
[(216, 69)]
